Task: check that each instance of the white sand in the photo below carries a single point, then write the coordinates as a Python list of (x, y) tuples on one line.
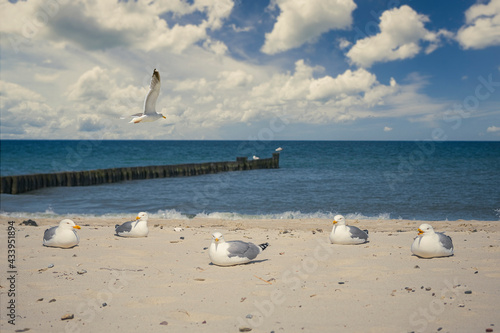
[(300, 283)]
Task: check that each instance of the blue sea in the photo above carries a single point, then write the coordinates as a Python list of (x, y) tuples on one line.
[(416, 180)]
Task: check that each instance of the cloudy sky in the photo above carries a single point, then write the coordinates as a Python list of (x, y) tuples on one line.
[(252, 69)]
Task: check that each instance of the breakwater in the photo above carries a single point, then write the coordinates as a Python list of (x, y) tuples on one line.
[(25, 183)]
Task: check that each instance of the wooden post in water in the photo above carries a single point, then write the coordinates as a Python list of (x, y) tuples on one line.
[(24, 183)]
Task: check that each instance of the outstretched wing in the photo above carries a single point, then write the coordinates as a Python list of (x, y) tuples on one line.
[(152, 96)]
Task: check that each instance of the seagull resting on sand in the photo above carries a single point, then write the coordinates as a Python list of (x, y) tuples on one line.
[(63, 236), (431, 244), (150, 113), (231, 253), (137, 228), (346, 234)]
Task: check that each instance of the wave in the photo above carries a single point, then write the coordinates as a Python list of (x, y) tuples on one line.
[(173, 214)]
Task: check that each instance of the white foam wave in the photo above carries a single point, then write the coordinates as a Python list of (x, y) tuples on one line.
[(172, 214)]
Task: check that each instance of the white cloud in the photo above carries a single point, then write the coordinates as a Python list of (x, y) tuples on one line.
[(347, 96), (401, 34), (482, 27), (303, 21), (232, 79), (493, 129), (387, 129), (24, 110), (101, 25)]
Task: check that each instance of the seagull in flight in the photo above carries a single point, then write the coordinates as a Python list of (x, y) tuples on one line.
[(150, 113)]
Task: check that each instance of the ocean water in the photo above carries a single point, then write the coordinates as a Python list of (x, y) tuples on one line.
[(421, 180)]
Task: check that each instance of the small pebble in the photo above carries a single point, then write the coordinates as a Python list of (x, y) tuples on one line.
[(83, 271), (340, 282), (489, 330), (68, 316), (439, 329), (245, 329), (461, 305), (50, 266), (416, 266), (52, 300), (182, 237), (164, 323), (39, 300), (468, 292), (476, 272), (104, 304), (204, 322), (249, 316), (26, 236), (428, 288)]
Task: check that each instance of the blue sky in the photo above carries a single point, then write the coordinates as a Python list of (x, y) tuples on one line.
[(249, 69)]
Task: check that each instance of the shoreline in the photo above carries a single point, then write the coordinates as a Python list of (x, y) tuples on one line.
[(375, 225), (301, 282)]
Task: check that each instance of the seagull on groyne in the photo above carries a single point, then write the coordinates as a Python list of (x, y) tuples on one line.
[(150, 113), (256, 157)]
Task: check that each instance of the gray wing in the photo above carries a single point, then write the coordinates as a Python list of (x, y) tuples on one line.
[(357, 233), (152, 96), (242, 249), (125, 227), (49, 234), (445, 241)]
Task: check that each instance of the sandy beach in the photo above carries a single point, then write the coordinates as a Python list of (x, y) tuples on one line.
[(300, 283)]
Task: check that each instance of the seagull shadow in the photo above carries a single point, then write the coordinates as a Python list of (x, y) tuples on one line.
[(247, 263)]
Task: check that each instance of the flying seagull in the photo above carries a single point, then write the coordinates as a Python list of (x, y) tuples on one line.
[(150, 113)]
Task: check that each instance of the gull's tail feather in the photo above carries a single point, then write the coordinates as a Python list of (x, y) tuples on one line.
[(264, 246)]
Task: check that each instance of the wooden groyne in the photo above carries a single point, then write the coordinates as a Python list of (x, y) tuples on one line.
[(24, 183)]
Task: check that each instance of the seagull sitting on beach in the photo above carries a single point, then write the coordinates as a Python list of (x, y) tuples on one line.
[(63, 236), (345, 234), (230, 253), (431, 244), (137, 228), (150, 113)]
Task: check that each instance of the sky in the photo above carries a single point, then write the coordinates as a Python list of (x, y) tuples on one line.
[(251, 69)]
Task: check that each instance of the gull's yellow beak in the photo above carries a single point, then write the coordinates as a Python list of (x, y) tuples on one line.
[(334, 221), (137, 218), (77, 227), (420, 231), (164, 117), (216, 239)]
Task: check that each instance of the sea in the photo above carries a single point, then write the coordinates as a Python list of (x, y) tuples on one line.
[(415, 180)]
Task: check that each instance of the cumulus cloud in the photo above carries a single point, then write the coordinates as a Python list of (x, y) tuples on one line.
[(493, 129), (387, 129), (101, 25), (402, 33), (482, 28), (325, 98), (24, 110), (303, 21)]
